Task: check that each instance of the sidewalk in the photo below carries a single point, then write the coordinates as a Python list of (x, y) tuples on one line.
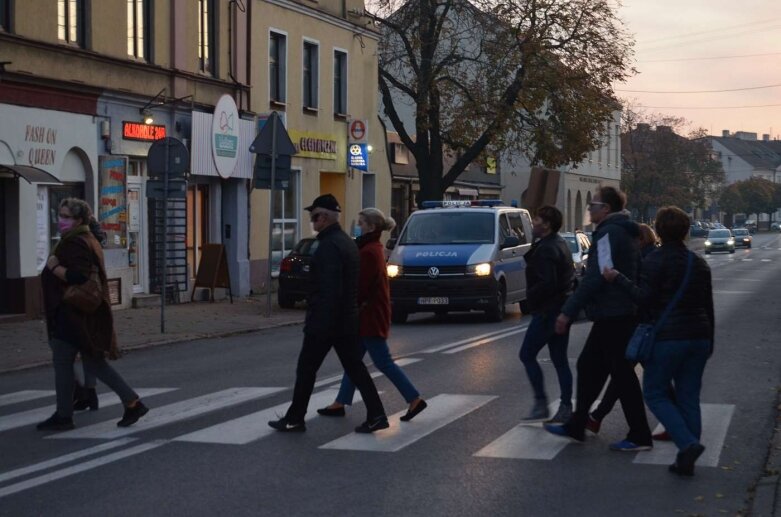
[(24, 345)]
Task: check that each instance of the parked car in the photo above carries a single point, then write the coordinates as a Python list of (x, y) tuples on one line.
[(775, 227), (719, 240), (294, 273), (742, 237), (579, 246), (697, 231)]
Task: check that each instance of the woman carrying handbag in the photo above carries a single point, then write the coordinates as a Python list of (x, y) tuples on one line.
[(79, 318), (683, 340)]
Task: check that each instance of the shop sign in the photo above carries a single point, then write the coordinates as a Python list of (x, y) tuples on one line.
[(225, 136), (314, 145), (358, 157), (142, 132), (112, 204), (43, 139)]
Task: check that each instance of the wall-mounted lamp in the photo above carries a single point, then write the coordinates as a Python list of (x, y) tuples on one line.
[(148, 117), (369, 148)]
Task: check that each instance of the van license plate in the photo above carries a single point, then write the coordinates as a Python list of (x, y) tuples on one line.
[(442, 300)]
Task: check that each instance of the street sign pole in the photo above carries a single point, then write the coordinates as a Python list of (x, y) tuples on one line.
[(165, 243), (271, 213)]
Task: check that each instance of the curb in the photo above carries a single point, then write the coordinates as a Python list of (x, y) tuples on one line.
[(763, 500), (124, 350)]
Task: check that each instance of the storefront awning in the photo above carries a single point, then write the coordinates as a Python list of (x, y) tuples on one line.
[(30, 174), (467, 192)]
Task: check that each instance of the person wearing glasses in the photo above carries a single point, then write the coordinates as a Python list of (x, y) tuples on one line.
[(614, 317), (332, 320)]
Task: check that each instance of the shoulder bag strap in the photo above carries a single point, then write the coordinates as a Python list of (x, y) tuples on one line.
[(678, 294)]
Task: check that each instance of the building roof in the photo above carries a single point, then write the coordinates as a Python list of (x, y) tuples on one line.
[(760, 154)]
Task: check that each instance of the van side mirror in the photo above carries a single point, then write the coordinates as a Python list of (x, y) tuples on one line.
[(511, 242), (391, 243)]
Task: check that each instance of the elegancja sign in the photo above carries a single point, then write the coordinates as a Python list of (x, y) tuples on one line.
[(313, 145)]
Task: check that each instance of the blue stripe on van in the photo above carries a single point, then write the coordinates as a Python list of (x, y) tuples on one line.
[(437, 254)]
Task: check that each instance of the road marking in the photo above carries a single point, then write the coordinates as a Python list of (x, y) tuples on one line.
[(739, 279), (746, 260), (404, 361), (733, 292), (715, 423), (439, 348), (767, 260), (171, 413), (442, 410), (40, 414), (484, 341), (82, 467), (5, 476), (246, 429), (23, 396), (528, 441)]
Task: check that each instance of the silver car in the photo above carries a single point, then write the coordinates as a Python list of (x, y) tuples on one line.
[(719, 240)]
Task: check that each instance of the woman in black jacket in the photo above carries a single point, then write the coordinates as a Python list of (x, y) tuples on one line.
[(685, 341)]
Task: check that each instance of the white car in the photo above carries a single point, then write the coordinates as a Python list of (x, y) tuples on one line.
[(579, 245)]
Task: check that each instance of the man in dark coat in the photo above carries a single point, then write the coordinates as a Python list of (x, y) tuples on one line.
[(332, 320), (614, 315)]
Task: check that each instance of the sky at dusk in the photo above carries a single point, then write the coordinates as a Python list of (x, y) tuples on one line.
[(671, 38)]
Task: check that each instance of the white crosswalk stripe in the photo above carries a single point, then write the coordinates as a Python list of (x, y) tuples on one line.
[(23, 396), (472, 339), (404, 361), (241, 431), (484, 341), (171, 413), (443, 409), (34, 416), (715, 423), (526, 441)]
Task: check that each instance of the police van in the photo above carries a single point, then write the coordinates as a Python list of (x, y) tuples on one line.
[(459, 256)]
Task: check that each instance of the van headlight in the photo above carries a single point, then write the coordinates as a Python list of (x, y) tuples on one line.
[(707, 243), (393, 270), (483, 269)]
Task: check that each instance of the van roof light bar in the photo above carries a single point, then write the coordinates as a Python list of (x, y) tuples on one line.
[(462, 203)]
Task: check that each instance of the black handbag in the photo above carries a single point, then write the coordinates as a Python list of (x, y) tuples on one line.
[(641, 344)]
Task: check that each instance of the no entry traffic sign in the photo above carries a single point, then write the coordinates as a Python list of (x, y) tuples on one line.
[(358, 131)]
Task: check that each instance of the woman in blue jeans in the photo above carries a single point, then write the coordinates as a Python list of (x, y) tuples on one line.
[(685, 341), (374, 302)]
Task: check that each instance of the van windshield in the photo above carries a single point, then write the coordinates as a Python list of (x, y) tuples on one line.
[(443, 227)]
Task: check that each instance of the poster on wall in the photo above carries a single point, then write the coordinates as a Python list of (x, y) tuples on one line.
[(112, 202), (42, 227)]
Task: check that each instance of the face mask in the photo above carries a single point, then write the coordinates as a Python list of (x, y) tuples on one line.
[(65, 225), (357, 231)]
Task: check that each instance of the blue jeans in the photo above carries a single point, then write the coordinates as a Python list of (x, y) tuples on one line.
[(378, 351), (539, 334), (681, 362)]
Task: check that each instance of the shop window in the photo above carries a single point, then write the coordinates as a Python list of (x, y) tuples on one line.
[(70, 21), (197, 225), (206, 33), (285, 231), (311, 74), (138, 29), (5, 15), (400, 154), (277, 57), (340, 83)]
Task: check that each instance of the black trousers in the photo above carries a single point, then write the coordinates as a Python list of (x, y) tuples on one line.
[(603, 356), (310, 359)]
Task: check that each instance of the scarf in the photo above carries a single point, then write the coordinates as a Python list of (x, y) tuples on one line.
[(74, 232)]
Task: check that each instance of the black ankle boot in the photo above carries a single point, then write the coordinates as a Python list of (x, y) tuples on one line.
[(85, 398), (56, 423), (132, 414)]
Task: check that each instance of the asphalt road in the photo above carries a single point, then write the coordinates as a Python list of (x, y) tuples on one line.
[(204, 448)]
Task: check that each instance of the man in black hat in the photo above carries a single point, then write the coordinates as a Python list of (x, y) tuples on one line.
[(332, 320)]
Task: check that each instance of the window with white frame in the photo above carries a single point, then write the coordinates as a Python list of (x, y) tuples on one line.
[(311, 74), (70, 21), (340, 82), (206, 34), (286, 225), (138, 28), (277, 57)]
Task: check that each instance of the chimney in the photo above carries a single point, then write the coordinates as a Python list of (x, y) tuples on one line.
[(765, 137), (745, 135), (725, 133)]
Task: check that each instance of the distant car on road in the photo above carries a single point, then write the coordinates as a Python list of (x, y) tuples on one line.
[(742, 237), (719, 240), (775, 227), (294, 273), (579, 246), (697, 231)]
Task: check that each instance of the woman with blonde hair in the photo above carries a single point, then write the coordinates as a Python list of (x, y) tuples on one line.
[(648, 240), (374, 304), (79, 318)]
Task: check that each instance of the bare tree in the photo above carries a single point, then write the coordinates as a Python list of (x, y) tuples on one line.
[(469, 79)]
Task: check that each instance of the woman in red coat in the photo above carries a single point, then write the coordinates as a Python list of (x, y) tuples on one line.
[(374, 302)]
